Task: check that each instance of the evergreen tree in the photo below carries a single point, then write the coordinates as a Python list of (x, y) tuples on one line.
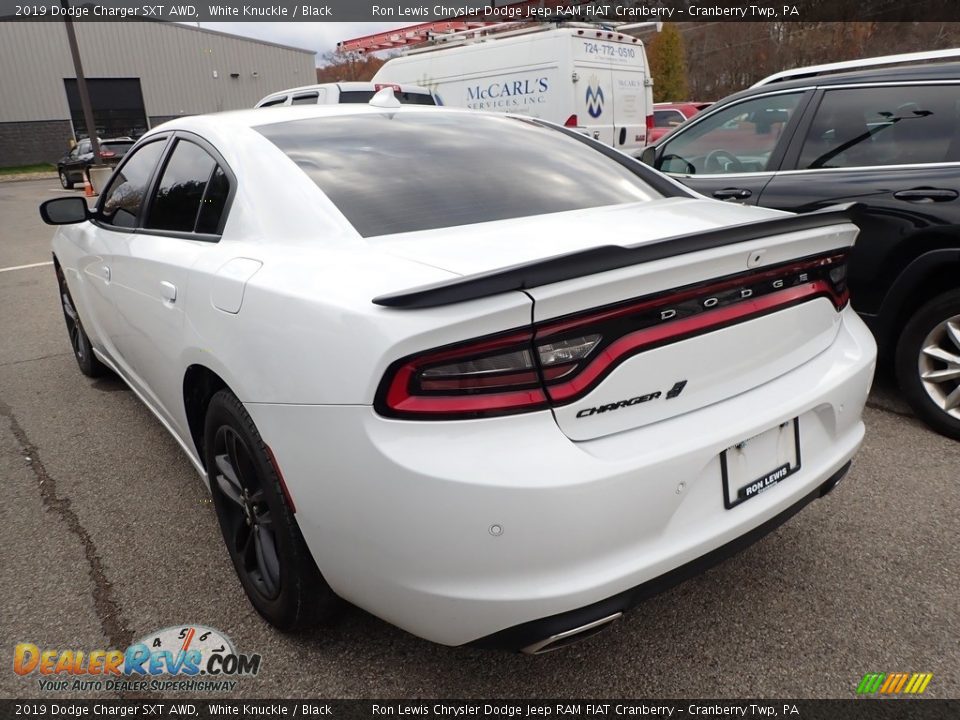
[(668, 65)]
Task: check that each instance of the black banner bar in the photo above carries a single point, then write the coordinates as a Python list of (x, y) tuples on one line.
[(859, 709), (414, 11)]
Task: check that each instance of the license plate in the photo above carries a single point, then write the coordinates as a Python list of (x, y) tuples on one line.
[(755, 465)]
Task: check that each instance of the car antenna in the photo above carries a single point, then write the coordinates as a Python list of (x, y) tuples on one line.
[(385, 99)]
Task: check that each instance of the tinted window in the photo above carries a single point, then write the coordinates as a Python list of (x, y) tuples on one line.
[(179, 194), (214, 202), (406, 171), (410, 98), (356, 96), (124, 198), (308, 99), (119, 149), (884, 126), (275, 101), (740, 138), (667, 118), (406, 98)]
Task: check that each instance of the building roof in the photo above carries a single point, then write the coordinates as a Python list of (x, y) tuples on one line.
[(194, 28)]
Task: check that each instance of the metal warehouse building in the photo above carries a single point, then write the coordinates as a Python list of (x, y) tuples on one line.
[(139, 75)]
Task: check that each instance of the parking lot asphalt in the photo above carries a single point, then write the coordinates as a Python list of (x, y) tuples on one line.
[(108, 534)]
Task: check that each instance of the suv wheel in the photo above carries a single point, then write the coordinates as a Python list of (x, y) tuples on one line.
[(65, 180), (928, 363)]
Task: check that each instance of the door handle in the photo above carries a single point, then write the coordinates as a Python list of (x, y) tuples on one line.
[(168, 291), (732, 194), (927, 195)]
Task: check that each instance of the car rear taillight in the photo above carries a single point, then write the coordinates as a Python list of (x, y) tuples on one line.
[(571, 122), (107, 154), (649, 125), (559, 361)]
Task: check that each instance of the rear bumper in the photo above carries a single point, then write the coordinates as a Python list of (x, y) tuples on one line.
[(480, 530), (552, 632)]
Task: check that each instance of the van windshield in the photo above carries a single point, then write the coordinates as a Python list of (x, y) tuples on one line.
[(408, 171)]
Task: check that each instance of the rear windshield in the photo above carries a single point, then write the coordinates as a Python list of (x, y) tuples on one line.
[(407, 98), (402, 172)]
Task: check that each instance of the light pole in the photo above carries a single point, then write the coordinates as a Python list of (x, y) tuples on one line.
[(81, 83)]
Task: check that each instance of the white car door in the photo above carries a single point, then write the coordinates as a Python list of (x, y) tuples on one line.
[(107, 236), (182, 218)]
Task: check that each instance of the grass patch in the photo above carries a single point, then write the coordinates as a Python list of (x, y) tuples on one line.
[(22, 169)]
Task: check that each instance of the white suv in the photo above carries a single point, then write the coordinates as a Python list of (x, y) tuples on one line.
[(346, 92)]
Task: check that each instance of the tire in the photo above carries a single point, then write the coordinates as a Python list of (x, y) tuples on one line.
[(928, 363), (262, 537), (65, 180), (79, 342)]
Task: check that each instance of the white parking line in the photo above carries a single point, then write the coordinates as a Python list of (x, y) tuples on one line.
[(25, 267)]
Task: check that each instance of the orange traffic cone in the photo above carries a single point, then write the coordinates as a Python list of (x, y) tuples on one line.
[(87, 187)]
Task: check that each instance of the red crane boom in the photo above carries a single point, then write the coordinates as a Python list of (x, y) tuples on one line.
[(422, 32)]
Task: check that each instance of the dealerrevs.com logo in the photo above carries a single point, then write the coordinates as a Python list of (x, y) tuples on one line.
[(188, 658)]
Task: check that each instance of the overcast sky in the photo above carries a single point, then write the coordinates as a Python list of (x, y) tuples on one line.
[(319, 36)]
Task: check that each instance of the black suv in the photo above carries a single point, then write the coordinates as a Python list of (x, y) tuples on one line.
[(887, 138), (74, 167)]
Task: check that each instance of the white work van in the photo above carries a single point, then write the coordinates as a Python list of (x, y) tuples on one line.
[(592, 79)]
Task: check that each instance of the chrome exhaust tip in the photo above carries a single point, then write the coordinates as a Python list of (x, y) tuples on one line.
[(569, 637)]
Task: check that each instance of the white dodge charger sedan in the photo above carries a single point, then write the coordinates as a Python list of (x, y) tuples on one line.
[(479, 375)]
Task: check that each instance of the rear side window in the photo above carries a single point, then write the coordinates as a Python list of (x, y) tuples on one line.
[(878, 126), (274, 102), (356, 96), (305, 99), (119, 149), (191, 192), (667, 118), (123, 199), (411, 98), (408, 171), (214, 203)]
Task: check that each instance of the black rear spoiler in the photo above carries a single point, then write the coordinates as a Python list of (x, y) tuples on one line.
[(606, 257)]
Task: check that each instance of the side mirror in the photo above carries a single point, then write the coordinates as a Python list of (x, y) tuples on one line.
[(64, 211), (649, 156)]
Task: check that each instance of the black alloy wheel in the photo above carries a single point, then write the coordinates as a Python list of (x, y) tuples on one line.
[(257, 522), (251, 534), (79, 342)]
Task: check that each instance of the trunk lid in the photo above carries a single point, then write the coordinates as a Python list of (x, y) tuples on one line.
[(632, 329), (688, 331)]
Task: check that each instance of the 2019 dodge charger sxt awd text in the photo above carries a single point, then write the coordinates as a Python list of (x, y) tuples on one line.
[(479, 375)]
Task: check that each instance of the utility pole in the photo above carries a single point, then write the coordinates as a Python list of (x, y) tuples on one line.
[(81, 83)]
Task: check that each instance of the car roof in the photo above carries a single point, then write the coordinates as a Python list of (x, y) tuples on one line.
[(255, 117), (351, 86), (902, 73)]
